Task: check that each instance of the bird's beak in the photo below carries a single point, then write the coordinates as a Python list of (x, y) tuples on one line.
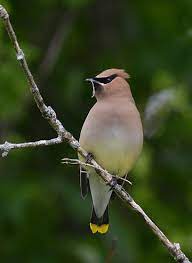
[(89, 79), (93, 81)]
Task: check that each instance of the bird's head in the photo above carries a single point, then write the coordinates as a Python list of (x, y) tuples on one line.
[(111, 82)]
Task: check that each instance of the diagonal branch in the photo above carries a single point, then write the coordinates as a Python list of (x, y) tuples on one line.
[(63, 135), (78, 162)]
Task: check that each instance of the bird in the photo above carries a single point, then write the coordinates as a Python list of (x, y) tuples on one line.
[(112, 134)]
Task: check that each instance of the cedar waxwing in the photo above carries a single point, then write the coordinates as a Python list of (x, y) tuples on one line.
[(112, 133)]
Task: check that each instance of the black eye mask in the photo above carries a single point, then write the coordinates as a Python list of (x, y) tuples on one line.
[(106, 80)]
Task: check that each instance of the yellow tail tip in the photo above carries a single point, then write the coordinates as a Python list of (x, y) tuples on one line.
[(101, 229), (93, 228)]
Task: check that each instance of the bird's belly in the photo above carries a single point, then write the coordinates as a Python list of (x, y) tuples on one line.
[(114, 161), (117, 150)]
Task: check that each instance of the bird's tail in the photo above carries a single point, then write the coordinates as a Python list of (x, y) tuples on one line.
[(99, 225)]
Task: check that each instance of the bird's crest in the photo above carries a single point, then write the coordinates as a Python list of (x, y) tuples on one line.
[(113, 71)]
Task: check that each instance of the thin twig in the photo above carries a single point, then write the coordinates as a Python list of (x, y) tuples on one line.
[(8, 146), (49, 114), (78, 162)]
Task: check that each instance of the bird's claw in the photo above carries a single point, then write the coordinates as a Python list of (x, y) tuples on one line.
[(112, 183), (89, 157)]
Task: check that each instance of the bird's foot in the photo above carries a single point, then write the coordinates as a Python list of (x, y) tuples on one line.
[(112, 183), (89, 157)]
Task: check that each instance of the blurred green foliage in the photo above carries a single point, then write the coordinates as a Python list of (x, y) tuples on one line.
[(43, 218)]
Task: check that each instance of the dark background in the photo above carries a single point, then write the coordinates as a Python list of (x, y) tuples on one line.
[(42, 217)]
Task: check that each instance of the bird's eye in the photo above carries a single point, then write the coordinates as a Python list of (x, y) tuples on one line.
[(106, 80), (110, 78)]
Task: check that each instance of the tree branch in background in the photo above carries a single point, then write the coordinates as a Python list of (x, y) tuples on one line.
[(63, 29), (112, 251), (63, 135)]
